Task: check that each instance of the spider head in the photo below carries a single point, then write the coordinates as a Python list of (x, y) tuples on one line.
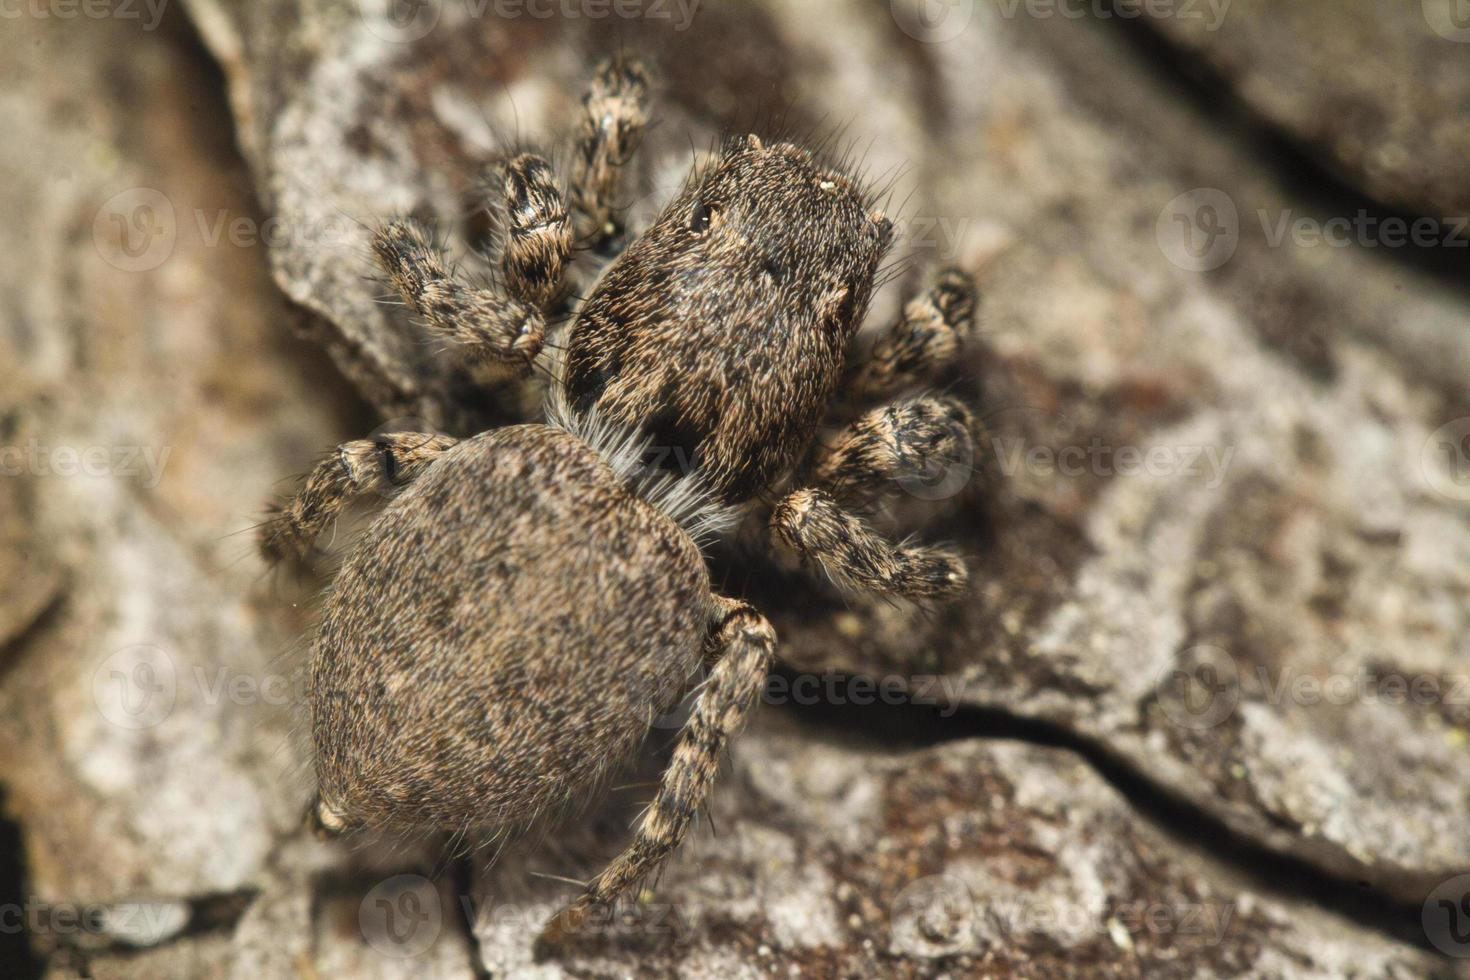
[(771, 226)]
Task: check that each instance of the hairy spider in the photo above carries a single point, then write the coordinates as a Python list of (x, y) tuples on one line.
[(533, 595)]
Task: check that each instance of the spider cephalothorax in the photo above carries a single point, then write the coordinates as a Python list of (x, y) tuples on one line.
[(723, 330), (530, 596)]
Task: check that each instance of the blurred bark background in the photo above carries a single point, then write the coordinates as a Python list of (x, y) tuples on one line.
[(1206, 710)]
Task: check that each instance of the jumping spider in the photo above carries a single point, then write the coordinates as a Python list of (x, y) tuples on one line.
[(530, 597)]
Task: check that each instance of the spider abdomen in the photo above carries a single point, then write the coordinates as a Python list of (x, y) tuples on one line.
[(501, 634)]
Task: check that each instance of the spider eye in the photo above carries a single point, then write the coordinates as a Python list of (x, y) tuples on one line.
[(703, 216)]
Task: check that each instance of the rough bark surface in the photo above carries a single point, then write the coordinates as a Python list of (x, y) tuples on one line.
[(1220, 532), (1376, 91)]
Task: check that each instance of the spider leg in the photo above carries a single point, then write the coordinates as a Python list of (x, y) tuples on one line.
[(383, 463), (496, 324), (840, 542), (743, 643), (615, 113), (923, 340), (538, 242), (902, 441)]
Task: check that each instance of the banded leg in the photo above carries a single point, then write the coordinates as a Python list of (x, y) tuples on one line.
[(743, 644), (917, 439), (538, 241), (914, 439), (814, 525), (924, 339), (382, 463), (615, 114), (496, 324)]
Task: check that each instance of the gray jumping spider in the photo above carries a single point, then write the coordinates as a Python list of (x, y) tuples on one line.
[(530, 598)]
